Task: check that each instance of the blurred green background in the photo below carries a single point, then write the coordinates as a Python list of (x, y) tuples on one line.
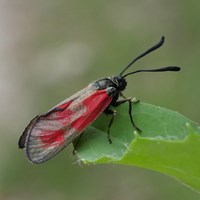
[(51, 49)]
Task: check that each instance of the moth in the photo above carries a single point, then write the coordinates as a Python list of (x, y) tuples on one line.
[(49, 133)]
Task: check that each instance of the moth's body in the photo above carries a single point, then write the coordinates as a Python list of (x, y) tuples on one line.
[(49, 133)]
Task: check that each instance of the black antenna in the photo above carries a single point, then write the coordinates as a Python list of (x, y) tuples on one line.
[(163, 69), (156, 46)]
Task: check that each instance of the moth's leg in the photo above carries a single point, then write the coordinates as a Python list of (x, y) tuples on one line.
[(112, 113), (134, 100), (131, 117), (117, 103), (76, 144), (121, 95)]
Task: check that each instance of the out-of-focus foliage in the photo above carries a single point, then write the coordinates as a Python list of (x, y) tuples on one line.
[(51, 49)]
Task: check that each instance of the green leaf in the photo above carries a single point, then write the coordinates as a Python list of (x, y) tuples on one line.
[(169, 142)]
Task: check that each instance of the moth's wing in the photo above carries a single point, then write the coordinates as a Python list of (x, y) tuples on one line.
[(48, 134)]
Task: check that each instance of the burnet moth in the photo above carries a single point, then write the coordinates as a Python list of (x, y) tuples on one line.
[(49, 133)]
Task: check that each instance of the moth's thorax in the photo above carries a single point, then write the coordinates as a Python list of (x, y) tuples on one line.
[(117, 82)]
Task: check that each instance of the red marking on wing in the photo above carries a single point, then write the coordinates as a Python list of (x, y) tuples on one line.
[(64, 105), (95, 104), (59, 118), (49, 133), (51, 138)]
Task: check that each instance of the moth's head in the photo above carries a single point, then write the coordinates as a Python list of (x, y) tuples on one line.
[(119, 82)]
